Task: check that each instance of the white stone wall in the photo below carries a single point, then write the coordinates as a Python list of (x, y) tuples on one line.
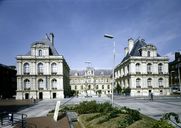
[(47, 76), (131, 75)]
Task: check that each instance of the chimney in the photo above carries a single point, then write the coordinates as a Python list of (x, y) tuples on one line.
[(130, 44), (126, 51), (51, 37), (177, 54)]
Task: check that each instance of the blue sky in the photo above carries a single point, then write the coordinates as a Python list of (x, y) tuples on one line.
[(79, 27)]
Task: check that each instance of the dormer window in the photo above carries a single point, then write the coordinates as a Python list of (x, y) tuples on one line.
[(39, 52)]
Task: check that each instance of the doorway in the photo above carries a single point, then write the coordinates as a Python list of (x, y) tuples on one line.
[(40, 95), (54, 95), (26, 95)]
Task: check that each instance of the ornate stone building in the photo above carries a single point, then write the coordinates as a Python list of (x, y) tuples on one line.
[(143, 70), (91, 82), (42, 73)]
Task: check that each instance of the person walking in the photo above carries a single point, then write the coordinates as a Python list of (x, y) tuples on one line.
[(151, 95)]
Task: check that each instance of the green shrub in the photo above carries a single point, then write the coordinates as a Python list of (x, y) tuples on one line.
[(86, 107), (133, 113), (128, 120), (162, 124), (104, 107)]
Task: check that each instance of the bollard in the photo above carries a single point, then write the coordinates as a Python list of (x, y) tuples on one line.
[(12, 119), (2, 120), (22, 121)]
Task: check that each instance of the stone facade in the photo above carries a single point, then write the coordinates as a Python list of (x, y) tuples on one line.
[(91, 82), (42, 73), (143, 70)]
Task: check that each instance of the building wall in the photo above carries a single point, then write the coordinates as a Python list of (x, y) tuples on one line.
[(175, 74), (7, 81)]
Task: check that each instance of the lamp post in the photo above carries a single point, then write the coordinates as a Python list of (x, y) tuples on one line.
[(111, 37), (179, 77)]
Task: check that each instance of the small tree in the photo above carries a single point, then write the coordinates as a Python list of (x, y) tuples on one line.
[(127, 91), (118, 89), (99, 92)]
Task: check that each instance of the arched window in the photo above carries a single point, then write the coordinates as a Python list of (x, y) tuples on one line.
[(149, 68), (26, 68), (149, 82), (81, 87), (75, 87), (97, 87), (138, 85), (40, 68), (148, 53), (26, 84), (160, 67), (160, 82), (102, 86), (137, 67), (54, 68), (54, 84), (40, 84), (39, 52), (89, 87), (108, 86)]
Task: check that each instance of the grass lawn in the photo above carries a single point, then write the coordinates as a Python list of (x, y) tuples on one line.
[(88, 122)]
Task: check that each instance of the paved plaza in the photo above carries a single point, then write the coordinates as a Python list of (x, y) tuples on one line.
[(154, 109)]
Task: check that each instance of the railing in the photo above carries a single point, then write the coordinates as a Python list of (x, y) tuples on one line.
[(12, 119)]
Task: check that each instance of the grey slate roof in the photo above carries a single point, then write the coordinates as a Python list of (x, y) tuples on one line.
[(135, 51), (99, 72), (8, 67), (46, 42)]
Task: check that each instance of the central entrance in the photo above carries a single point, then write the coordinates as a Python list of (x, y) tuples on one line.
[(40, 95), (54, 95), (26, 95)]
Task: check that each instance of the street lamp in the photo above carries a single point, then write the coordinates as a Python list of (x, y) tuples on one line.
[(111, 37), (179, 77)]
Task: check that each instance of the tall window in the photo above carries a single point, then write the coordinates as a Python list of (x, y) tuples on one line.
[(137, 67), (26, 84), (148, 53), (149, 81), (26, 68), (54, 68), (40, 68), (138, 85), (89, 87), (39, 52), (160, 67), (108, 87), (40, 84), (54, 84), (97, 86), (160, 82), (102, 86), (149, 68)]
